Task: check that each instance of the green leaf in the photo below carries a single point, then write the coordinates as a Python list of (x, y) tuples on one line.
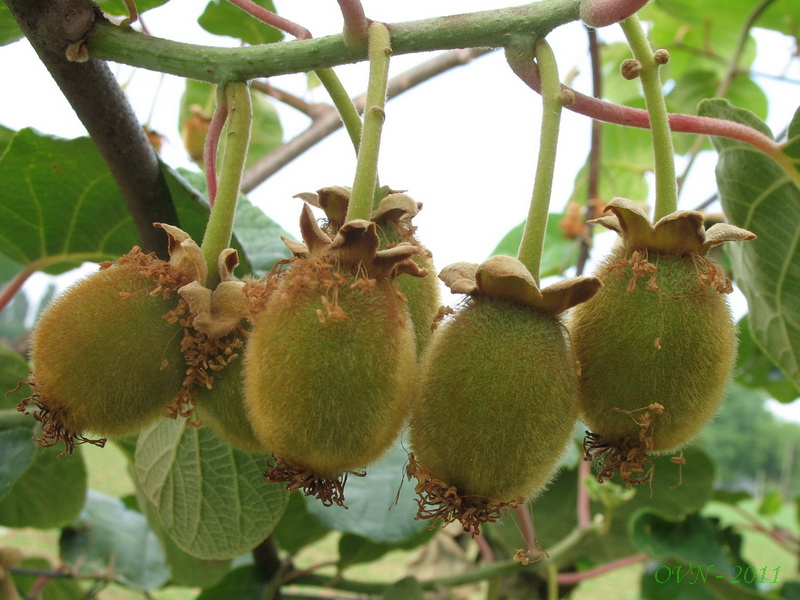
[(407, 588), (244, 583), (224, 18), (372, 511), (559, 253), (791, 590), (729, 497), (50, 493), (659, 582), (186, 570), (18, 451), (13, 369), (117, 7), (212, 499), (298, 528), (771, 503), (695, 85), (758, 195), (9, 30), (754, 369), (62, 207), (5, 133), (695, 540), (54, 589), (109, 538)]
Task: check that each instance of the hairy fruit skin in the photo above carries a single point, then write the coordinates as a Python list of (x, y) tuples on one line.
[(496, 401), (327, 382), (105, 360), (665, 337)]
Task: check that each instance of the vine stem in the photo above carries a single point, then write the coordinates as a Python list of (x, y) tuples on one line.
[(211, 145), (237, 139), (366, 178), (344, 105), (663, 152), (530, 248)]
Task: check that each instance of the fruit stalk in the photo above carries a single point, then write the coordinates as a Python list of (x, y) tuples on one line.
[(341, 100), (366, 179), (237, 138), (663, 153), (530, 248)]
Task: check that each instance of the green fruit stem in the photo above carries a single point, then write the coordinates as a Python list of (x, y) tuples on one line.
[(341, 100), (663, 153), (366, 179), (237, 139), (530, 248)]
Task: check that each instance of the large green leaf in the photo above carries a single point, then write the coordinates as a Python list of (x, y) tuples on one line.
[(117, 7), (9, 30), (61, 207), (381, 506), (754, 369), (243, 583), (109, 538), (212, 499), (407, 588), (758, 195), (13, 369), (355, 549), (224, 18), (50, 493), (18, 452)]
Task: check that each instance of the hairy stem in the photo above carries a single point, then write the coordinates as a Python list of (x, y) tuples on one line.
[(575, 578), (530, 248), (485, 29), (366, 178), (237, 138), (663, 152), (344, 105)]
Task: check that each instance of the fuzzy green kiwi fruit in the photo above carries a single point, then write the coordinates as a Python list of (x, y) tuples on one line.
[(105, 360), (657, 344), (329, 364), (496, 398)]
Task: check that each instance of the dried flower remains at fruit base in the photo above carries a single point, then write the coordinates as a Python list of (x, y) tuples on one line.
[(657, 344)]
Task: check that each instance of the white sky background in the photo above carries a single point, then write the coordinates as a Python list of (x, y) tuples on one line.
[(464, 144)]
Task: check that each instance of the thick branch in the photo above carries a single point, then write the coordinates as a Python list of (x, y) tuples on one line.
[(52, 26), (327, 124), (491, 28)]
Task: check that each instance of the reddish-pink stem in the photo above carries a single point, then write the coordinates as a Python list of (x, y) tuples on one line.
[(270, 18), (14, 286), (599, 13), (486, 550), (575, 578), (355, 23), (212, 145), (526, 524), (637, 117)]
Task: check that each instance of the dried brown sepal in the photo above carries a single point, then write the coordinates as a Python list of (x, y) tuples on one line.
[(329, 491), (630, 457), (53, 426), (438, 500)]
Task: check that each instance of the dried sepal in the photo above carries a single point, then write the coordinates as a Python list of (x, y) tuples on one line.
[(507, 278), (436, 500), (332, 200), (185, 255), (355, 246), (679, 233), (327, 490), (397, 207)]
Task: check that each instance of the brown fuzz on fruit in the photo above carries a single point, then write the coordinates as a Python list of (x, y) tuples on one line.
[(394, 224), (657, 343), (496, 395), (105, 361), (329, 364)]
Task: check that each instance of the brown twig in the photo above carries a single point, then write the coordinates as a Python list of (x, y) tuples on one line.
[(54, 27), (273, 162), (313, 110)]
